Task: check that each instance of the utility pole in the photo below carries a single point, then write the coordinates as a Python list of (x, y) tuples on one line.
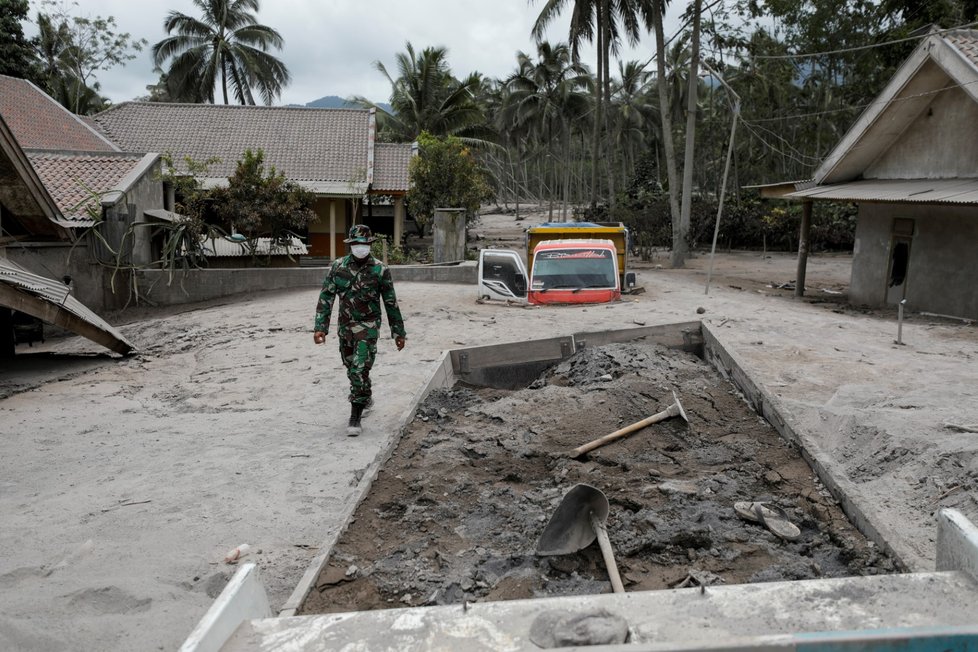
[(726, 168)]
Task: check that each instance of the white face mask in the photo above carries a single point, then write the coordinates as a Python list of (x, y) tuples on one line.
[(360, 250)]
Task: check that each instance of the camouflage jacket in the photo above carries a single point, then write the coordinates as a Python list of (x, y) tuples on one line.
[(360, 286)]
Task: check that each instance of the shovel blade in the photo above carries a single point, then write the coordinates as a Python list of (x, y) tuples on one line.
[(569, 529)]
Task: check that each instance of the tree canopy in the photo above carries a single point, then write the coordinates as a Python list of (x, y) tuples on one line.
[(226, 48)]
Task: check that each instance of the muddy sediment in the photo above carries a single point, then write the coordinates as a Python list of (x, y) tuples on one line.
[(456, 513)]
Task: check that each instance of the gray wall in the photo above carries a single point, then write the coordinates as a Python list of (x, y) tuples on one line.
[(943, 269), (201, 284), (51, 260), (145, 194)]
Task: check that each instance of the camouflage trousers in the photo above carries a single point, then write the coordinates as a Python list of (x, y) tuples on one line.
[(358, 351)]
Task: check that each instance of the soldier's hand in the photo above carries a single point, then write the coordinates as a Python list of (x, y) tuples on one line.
[(399, 341), (319, 337)]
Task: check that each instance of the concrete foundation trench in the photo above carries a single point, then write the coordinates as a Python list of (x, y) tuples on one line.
[(455, 513)]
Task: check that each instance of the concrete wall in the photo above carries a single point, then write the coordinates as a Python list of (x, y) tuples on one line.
[(189, 286), (89, 283), (121, 227), (943, 269)]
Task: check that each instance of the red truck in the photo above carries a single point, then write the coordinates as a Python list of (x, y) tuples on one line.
[(566, 263)]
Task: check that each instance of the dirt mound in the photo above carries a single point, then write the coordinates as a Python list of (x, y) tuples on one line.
[(456, 513)]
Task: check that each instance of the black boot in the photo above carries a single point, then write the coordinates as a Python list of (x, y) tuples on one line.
[(354, 429)]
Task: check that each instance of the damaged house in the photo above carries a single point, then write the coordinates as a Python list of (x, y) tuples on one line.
[(910, 163)]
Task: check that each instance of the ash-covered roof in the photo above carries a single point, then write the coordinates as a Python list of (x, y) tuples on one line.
[(302, 143), (79, 181), (38, 122), (391, 166), (966, 42)]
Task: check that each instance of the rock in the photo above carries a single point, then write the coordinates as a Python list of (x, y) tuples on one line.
[(700, 310), (670, 487)]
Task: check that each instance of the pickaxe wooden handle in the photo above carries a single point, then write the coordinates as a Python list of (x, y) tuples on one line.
[(676, 409)]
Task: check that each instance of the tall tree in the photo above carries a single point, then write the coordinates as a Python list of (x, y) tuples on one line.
[(425, 96), (680, 238), (16, 53), (665, 114), (72, 50), (225, 47), (547, 97), (603, 21)]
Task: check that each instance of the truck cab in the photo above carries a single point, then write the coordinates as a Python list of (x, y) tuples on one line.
[(565, 262), (574, 271), (561, 272)]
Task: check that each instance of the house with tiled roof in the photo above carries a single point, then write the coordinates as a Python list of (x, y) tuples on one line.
[(910, 163), (93, 193), (332, 153)]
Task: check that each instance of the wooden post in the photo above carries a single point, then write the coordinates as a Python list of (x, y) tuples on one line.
[(398, 220), (332, 229), (803, 245)]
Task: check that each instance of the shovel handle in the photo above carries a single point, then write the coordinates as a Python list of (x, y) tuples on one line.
[(608, 554), (669, 412)]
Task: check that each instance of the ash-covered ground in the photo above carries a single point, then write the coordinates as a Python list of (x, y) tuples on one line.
[(456, 513)]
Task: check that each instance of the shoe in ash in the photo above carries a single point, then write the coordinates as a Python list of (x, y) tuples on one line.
[(354, 428)]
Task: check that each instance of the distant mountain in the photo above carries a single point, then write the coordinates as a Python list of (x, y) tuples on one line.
[(337, 102)]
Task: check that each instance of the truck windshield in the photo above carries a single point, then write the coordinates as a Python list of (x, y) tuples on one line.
[(555, 269)]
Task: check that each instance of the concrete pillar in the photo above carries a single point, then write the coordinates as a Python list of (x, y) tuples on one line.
[(398, 220), (804, 236), (332, 229), (449, 235)]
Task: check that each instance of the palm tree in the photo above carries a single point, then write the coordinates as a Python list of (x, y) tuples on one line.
[(633, 114), (603, 21), (225, 46), (547, 97), (426, 97)]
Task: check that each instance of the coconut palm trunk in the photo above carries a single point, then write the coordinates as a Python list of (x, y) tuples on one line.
[(680, 247), (665, 115)]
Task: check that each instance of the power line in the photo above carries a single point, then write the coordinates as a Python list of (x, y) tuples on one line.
[(863, 106), (861, 47)]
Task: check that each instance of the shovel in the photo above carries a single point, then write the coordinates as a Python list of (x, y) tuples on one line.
[(676, 409), (580, 519)]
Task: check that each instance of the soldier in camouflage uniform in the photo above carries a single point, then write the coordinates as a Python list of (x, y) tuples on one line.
[(361, 282)]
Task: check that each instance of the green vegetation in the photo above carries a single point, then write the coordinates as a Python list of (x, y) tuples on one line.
[(446, 174), (225, 47), (260, 202)]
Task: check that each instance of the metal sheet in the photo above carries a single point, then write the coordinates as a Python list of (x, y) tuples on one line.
[(53, 299), (918, 191)]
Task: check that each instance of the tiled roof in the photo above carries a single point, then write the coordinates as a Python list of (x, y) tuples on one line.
[(76, 179), (391, 166), (302, 143), (966, 41), (38, 122)]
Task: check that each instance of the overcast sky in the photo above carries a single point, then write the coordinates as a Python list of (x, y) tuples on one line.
[(330, 45)]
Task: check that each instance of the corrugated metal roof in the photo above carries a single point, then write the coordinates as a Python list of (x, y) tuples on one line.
[(916, 191), (56, 293), (219, 247)]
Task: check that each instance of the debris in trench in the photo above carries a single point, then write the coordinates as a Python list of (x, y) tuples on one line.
[(455, 513)]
